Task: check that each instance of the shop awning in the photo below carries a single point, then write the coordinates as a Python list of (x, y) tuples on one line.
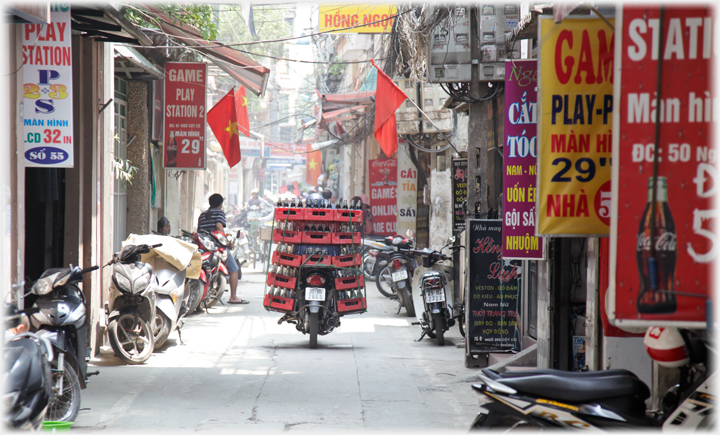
[(135, 65), (336, 101), (249, 73), (106, 24)]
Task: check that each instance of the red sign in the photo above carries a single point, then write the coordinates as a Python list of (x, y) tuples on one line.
[(383, 200), (663, 240), (184, 126)]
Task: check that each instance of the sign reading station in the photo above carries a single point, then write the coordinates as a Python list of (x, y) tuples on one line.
[(185, 114), (47, 107)]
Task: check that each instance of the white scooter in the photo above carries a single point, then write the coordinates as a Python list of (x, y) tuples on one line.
[(433, 287)]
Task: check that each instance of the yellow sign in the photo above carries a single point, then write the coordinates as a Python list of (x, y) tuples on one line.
[(575, 98), (368, 18)]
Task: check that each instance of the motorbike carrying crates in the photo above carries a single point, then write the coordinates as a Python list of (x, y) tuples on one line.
[(350, 305), (349, 282), (354, 216), (278, 303), (347, 260), (292, 214), (317, 260), (318, 214), (286, 236), (284, 259), (281, 281), (346, 238), (317, 238)]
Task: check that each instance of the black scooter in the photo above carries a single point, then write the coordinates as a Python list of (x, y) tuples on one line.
[(27, 376), (605, 400), (58, 312)]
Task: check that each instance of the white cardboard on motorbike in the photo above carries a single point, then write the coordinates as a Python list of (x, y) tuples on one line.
[(175, 251)]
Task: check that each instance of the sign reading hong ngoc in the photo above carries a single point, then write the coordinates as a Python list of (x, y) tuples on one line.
[(47, 107)]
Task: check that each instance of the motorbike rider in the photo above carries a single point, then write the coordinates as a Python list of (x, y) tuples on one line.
[(214, 219), (163, 226), (255, 200)]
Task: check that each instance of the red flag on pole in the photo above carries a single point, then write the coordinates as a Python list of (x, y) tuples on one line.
[(241, 107), (222, 119), (388, 97), (313, 166)]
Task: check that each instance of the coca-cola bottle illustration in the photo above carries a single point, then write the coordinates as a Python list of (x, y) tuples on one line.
[(657, 274), (171, 151)]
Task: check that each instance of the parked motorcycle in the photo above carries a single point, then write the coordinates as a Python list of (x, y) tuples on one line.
[(27, 376), (132, 307), (401, 266), (213, 268), (432, 289), (58, 313), (370, 250), (607, 399)]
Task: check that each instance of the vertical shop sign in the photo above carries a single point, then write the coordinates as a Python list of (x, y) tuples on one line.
[(459, 193), (662, 272), (406, 191), (575, 99), (46, 108), (185, 114), (519, 162), (383, 195), (493, 317)]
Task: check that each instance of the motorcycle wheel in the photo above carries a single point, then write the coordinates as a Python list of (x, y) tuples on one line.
[(65, 405), (407, 299), (195, 289), (313, 330), (439, 322), (161, 329), (130, 346), (461, 325), (384, 283), (367, 269), (216, 290)]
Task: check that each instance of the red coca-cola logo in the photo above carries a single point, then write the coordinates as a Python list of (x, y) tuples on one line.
[(392, 163), (666, 242)]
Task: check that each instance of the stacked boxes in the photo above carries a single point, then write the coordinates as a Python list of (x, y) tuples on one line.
[(312, 237)]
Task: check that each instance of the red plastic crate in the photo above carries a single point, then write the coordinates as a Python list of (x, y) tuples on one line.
[(282, 258), (342, 215), (281, 281), (279, 303), (317, 238), (346, 238), (349, 282), (319, 214), (317, 260), (348, 305), (347, 260), (287, 236), (292, 214)]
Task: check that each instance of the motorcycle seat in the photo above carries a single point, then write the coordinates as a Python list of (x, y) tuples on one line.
[(574, 386)]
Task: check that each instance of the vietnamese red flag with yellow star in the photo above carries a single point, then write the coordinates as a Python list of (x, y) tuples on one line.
[(241, 108), (222, 119), (390, 98), (313, 166)]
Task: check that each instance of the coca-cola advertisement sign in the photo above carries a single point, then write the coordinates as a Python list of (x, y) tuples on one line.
[(494, 288), (383, 196), (663, 243)]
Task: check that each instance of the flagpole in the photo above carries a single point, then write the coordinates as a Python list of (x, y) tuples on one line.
[(433, 124)]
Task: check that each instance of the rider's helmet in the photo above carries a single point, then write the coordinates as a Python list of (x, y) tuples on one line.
[(666, 346)]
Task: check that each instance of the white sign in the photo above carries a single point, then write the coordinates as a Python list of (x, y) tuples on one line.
[(46, 108), (406, 191)]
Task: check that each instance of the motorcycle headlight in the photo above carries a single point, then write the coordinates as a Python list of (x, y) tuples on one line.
[(122, 282), (43, 286)]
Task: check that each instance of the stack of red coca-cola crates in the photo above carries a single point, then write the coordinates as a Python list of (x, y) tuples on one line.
[(316, 237)]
